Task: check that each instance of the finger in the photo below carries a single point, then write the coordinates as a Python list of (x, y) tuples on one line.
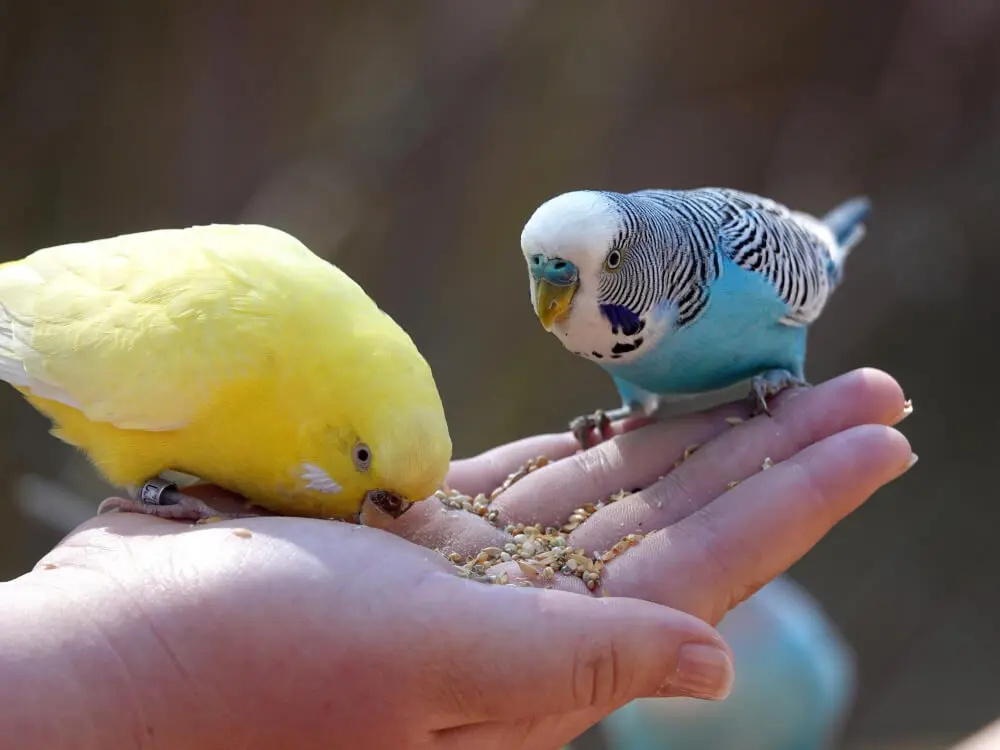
[(562, 653), (541, 733), (634, 459), (987, 738), (485, 472), (720, 555), (433, 525), (800, 418)]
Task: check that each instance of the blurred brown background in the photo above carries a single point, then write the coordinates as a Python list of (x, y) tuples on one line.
[(409, 142)]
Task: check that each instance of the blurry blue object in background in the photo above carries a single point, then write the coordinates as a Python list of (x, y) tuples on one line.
[(793, 690)]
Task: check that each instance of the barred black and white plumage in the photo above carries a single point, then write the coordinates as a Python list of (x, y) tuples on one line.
[(657, 264), (686, 291), (691, 230)]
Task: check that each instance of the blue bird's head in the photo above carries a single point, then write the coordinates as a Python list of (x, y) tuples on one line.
[(593, 273), (564, 243)]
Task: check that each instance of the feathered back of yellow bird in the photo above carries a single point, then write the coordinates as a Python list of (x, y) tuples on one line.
[(220, 339)]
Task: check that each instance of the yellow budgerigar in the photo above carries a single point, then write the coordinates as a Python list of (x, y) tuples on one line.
[(231, 353)]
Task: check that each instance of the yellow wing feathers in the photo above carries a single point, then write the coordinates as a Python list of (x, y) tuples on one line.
[(165, 315)]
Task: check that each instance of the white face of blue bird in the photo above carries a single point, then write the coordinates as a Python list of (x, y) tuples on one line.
[(588, 286)]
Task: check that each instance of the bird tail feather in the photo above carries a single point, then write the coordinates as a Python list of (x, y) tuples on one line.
[(846, 221), (11, 368)]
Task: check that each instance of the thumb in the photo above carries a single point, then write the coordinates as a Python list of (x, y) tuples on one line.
[(538, 652)]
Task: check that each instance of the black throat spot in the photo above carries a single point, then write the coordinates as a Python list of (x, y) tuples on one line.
[(626, 347)]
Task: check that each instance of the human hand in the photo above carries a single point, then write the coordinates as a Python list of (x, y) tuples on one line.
[(300, 633), (210, 635), (987, 738), (707, 546)]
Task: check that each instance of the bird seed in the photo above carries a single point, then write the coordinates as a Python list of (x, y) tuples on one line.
[(541, 553)]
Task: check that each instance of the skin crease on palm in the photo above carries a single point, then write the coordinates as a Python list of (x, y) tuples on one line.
[(269, 632)]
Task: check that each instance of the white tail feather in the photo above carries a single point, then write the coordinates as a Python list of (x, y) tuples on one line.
[(13, 371), (11, 368)]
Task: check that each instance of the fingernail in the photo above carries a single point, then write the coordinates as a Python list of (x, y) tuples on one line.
[(909, 464), (703, 671), (907, 411)]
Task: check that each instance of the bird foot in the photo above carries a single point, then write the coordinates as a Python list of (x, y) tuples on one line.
[(583, 426), (161, 498), (769, 384), (601, 420)]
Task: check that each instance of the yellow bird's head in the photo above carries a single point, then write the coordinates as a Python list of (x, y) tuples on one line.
[(388, 445)]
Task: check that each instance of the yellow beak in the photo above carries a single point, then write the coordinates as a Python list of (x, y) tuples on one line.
[(552, 302)]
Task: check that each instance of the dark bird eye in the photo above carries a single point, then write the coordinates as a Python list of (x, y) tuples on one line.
[(613, 260), (362, 457)]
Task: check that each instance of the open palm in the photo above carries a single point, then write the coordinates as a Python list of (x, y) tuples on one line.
[(271, 631), (717, 526)]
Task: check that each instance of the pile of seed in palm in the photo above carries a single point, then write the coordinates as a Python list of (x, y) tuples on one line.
[(540, 552)]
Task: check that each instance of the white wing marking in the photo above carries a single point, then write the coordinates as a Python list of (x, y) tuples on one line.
[(317, 479)]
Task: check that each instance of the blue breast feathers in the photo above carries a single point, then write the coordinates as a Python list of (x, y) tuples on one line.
[(738, 335)]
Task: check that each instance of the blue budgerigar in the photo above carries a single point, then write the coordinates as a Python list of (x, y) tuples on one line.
[(682, 292)]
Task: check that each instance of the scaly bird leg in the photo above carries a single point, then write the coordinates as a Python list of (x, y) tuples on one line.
[(161, 498), (601, 420), (769, 384)]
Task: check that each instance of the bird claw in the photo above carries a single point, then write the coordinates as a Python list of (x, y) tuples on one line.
[(759, 394), (583, 426), (161, 498), (768, 385)]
